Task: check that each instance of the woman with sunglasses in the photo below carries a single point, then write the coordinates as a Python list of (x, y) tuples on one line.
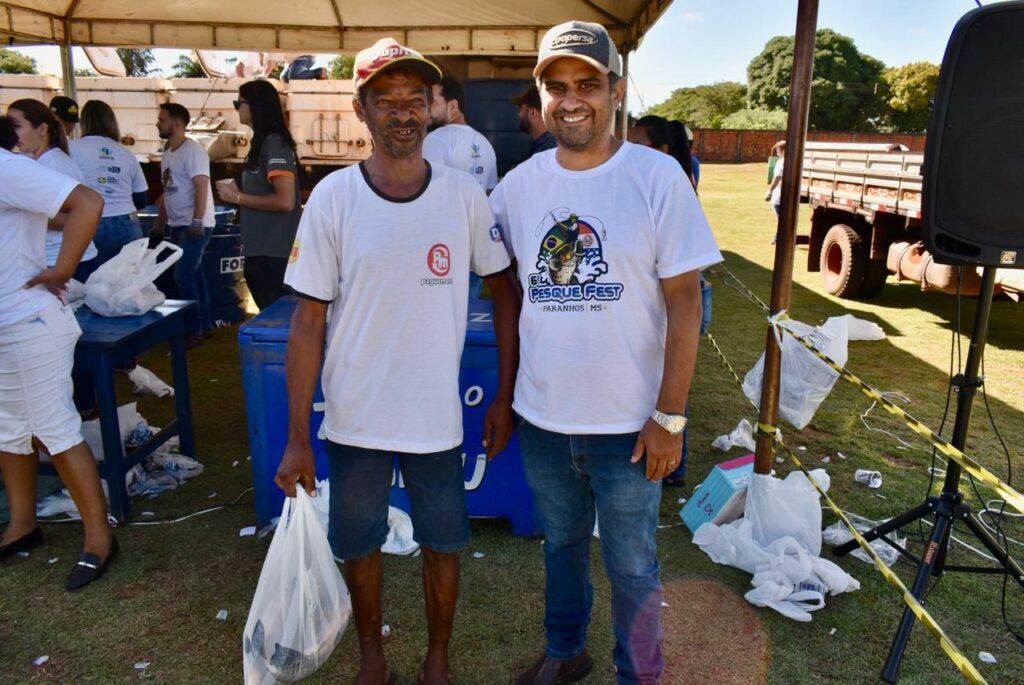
[(41, 137), (269, 194)]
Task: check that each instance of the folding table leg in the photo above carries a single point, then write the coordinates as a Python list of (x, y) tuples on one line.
[(113, 449)]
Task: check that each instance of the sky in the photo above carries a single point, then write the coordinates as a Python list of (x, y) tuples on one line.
[(705, 41)]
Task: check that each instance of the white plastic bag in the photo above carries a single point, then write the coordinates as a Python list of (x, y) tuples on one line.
[(301, 606), (123, 286), (804, 380), (786, 508)]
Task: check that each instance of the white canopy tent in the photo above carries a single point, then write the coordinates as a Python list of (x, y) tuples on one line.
[(467, 27)]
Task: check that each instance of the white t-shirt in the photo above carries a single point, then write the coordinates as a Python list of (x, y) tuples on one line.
[(109, 169), (777, 190), (177, 169), (29, 195), (592, 247), (463, 148), (396, 273), (55, 159)]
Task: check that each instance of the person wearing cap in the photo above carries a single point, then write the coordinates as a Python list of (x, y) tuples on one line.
[(66, 111), (454, 143), (609, 239), (531, 121), (386, 246)]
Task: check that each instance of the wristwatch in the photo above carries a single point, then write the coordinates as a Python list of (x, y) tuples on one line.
[(673, 423)]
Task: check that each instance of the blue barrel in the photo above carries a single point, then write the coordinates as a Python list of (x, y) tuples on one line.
[(495, 488)]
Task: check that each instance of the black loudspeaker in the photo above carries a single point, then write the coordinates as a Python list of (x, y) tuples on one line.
[(973, 193)]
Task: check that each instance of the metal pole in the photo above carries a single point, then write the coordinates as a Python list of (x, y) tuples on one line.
[(67, 66), (782, 274), (625, 93)]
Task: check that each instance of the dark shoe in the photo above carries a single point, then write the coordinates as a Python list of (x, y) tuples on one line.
[(89, 568), (551, 671), (22, 544)]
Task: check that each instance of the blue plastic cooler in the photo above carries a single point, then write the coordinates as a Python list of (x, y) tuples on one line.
[(493, 489)]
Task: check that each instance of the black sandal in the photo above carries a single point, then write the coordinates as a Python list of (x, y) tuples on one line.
[(89, 568)]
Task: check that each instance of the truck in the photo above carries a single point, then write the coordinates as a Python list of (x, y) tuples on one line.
[(866, 223)]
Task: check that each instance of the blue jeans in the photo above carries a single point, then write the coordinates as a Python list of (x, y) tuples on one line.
[(113, 233), (190, 279), (572, 478)]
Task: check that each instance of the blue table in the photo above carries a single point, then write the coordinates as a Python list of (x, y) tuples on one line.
[(107, 341)]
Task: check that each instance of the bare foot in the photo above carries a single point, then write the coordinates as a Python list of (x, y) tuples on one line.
[(373, 671), (435, 667)]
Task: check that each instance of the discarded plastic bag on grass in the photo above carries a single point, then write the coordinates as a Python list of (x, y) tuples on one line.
[(779, 546), (860, 329), (742, 435), (838, 533), (804, 380), (301, 606), (791, 507), (123, 286), (148, 383)]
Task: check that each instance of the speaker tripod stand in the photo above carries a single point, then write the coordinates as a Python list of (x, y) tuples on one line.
[(947, 507)]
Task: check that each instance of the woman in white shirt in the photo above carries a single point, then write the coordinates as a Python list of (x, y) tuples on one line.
[(41, 137), (37, 345), (111, 170)]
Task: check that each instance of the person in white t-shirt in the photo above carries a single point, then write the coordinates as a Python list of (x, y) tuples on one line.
[(111, 170), (37, 345), (381, 266), (41, 136), (452, 142), (774, 192), (186, 208), (609, 239)]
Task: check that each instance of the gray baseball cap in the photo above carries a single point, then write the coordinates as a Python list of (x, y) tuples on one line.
[(583, 40)]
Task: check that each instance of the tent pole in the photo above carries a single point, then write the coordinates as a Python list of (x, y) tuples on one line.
[(785, 245), (67, 66), (625, 93)]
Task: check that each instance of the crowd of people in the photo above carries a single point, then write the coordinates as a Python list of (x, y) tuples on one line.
[(591, 250)]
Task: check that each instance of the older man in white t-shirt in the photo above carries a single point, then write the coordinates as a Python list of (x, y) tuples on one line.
[(381, 265), (609, 239), (454, 143)]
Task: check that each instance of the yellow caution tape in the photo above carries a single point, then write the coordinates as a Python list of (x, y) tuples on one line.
[(1011, 496), (956, 656)]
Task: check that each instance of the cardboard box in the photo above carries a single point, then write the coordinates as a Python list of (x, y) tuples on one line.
[(722, 495)]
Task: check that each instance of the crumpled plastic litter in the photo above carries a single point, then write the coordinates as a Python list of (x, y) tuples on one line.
[(838, 533), (148, 383), (773, 543), (987, 657), (860, 329), (872, 479), (160, 472), (742, 435)]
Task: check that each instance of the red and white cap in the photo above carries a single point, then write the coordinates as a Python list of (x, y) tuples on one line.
[(387, 53)]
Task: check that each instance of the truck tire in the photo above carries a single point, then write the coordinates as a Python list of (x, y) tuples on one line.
[(842, 262), (874, 278)]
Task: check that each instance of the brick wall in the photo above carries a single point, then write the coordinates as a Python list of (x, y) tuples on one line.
[(733, 145)]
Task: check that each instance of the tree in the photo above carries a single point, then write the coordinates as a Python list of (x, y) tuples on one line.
[(14, 62), (757, 120), (911, 88), (137, 61), (703, 106), (187, 66), (847, 93), (85, 71), (341, 66)]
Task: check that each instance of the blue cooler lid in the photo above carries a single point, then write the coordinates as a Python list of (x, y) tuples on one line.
[(271, 325)]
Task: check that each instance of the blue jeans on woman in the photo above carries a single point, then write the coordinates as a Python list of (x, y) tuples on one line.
[(113, 233), (574, 477), (189, 277)]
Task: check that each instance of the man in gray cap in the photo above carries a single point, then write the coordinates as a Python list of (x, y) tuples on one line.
[(609, 239)]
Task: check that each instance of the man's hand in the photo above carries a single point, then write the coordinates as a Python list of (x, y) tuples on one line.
[(195, 230), (297, 464), (767, 195), (664, 450), (52, 279), (497, 426)]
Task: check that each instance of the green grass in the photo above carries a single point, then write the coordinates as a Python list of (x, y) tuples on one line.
[(159, 600)]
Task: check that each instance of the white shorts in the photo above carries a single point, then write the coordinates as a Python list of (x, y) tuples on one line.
[(36, 357)]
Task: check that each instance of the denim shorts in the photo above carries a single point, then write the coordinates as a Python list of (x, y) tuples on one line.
[(361, 484)]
